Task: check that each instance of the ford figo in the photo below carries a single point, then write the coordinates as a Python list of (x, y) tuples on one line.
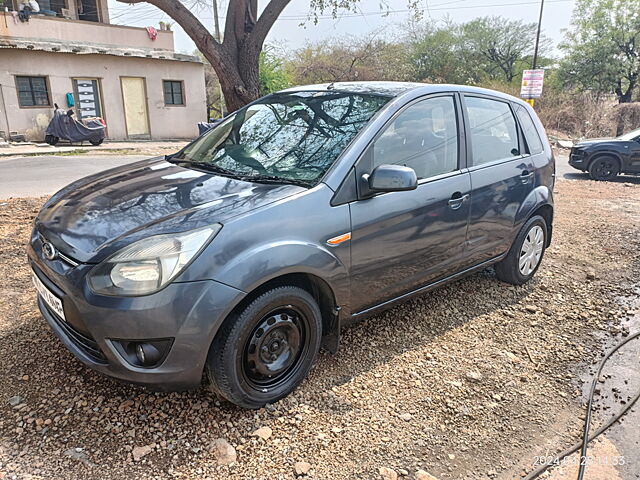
[(237, 258)]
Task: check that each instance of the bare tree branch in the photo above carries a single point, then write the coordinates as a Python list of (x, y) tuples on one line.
[(268, 17), (191, 25)]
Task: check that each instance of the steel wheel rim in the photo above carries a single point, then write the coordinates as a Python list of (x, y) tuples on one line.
[(531, 250), (274, 348)]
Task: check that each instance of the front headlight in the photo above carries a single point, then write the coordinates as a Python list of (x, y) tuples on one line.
[(149, 264)]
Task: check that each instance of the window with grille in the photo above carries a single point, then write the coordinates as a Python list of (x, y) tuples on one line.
[(32, 92), (173, 92)]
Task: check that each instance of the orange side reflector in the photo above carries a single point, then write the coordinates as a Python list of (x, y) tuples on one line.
[(339, 239)]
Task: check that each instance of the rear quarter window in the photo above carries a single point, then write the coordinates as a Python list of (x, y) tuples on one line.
[(530, 131)]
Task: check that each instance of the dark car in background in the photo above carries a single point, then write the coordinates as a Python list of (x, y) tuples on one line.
[(604, 158), (311, 208)]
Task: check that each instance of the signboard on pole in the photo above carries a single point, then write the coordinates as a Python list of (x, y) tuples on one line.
[(532, 82)]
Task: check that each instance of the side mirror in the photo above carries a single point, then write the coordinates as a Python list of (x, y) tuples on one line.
[(392, 178)]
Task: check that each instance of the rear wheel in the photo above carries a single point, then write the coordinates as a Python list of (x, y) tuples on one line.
[(260, 355), (51, 139), (604, 168), (525, 255), (95, 143)]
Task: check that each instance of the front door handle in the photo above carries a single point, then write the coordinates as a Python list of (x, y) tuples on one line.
[(525, 176), (457, 199)]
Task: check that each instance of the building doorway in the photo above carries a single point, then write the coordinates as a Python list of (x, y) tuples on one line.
[(88, 98), (136, 115)]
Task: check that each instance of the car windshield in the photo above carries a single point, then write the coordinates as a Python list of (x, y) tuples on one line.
[(630, 135), (289, 137)]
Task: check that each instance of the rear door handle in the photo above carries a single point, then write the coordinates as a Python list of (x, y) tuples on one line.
[(525, 176), (457, 199)]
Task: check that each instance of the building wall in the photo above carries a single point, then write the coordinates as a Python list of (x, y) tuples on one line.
[(165, 121)]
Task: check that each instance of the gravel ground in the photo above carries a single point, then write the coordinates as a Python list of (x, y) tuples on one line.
[(469, 382)]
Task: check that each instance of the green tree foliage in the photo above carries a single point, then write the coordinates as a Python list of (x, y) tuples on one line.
[(487, 49), (272, 73), (602, 48), (439, 55), (351, 59), (499, 44)]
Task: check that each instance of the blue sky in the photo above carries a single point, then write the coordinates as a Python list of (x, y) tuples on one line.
[(288, 33)]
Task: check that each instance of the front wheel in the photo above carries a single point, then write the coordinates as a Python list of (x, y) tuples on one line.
[(95, 143), (261, 354), (526, 253), (604, 168), (51, 139)]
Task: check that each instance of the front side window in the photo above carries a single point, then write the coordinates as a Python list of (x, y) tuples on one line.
[(494, 135), (291, 137), (32, 91), (529, 130), (173, 92), (423, 137)]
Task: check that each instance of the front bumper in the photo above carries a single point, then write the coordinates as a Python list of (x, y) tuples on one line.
[(578, 159), (188, 313)]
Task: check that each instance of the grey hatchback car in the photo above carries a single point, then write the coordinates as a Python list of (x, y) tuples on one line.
[(240, 256)]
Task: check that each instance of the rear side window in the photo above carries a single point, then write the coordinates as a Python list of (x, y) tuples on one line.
[(423, 137), (530, 131), (494, 135)]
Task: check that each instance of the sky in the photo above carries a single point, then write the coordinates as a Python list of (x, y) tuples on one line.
[(289, 34)]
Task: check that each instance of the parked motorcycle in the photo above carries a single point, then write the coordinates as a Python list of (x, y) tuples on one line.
[(64, 126)]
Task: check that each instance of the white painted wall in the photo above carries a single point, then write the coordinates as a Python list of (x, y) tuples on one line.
[(165, 121)]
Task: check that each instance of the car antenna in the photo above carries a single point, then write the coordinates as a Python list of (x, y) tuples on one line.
[(331, 86)]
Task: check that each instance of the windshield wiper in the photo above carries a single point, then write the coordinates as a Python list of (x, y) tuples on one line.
[(209, 167), (274, 179)]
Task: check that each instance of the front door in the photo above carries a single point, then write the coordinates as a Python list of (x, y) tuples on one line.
[(87, 93), (134, 96), (633, 165), (403, 240)]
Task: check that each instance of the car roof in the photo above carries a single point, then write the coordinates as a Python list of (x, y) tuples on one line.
[(395, 89)]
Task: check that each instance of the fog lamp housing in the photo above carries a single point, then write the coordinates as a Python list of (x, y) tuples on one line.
[(143, 353)]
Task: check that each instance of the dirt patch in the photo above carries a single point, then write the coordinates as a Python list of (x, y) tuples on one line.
[(470, 381)]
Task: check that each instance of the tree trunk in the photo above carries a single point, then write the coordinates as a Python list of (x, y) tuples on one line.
[(625, 96), (235, 59)]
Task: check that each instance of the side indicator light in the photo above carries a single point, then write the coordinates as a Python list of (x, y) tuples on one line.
[(345, 237)]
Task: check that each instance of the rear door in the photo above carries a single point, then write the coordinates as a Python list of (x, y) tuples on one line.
[(403, 240), (502, 175)]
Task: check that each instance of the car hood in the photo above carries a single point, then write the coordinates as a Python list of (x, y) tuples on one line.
[(92, 218), (598, 141)]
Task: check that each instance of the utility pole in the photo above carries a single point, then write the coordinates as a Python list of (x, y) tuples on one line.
[(216, 31), (535, 53)]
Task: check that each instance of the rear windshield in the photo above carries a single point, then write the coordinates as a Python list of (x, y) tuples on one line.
[(285, 137)]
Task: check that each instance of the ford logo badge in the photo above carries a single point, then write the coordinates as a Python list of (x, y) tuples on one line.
[(49, 251)]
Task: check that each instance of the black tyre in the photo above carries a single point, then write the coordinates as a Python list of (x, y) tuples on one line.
[(261, 354), (51, 139), (604, 168), (526, 253), (95, 143)]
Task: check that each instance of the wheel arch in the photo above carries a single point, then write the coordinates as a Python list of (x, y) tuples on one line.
[(538, 202), (546, 212), (317, 287)]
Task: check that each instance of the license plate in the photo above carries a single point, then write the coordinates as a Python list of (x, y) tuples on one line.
[(48, 296)]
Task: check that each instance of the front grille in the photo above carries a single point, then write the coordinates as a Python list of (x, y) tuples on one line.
[(82, 340), (576, 155), (87, 344)]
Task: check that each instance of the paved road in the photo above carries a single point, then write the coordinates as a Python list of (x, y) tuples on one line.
[(37, 176)]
